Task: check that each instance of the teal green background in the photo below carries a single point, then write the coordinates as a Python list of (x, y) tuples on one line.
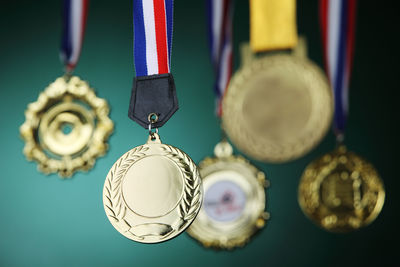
[(46, 221)]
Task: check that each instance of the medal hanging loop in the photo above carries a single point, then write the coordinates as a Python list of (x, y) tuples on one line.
[(152, 118), (74, 23), (337, 19), (154, 88)]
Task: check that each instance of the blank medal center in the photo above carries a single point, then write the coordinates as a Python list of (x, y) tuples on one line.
[(278, 106), (153, 186)]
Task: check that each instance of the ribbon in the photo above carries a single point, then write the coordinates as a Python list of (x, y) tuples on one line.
[(220, 16), (74, 22), (152, 36), (272, 25), (153, 89), (338, 26)]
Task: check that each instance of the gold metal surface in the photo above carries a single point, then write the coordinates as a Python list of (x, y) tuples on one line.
[(272, 24), (341, 192), (153, 192), (234, 201), (66, 129), (277, 107)]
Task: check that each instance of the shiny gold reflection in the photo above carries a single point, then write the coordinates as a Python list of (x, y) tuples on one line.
[(66, 129), (153, 192), (341, 192)]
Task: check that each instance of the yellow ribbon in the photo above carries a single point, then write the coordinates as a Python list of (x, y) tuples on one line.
[(272, 24)]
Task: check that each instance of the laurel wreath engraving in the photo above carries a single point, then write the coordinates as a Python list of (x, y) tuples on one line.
[(191, 199), (116, 208), (188, 207)]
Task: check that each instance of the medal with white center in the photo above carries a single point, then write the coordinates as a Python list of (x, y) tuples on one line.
[(153, 192), (234, 200), (234, 197)]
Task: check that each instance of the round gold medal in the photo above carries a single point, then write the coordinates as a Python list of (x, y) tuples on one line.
[(153, 192), (277, 108), (234, 201), (341, 191), (66, 129)]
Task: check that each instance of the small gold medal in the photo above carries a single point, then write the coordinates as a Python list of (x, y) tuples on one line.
[(66, 129), (153, 192), (234, 201), (341, 192)]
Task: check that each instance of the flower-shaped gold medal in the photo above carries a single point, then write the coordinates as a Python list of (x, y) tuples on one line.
[(66, 129)]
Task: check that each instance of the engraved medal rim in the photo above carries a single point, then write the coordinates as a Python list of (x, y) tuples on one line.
[(97, 146), (174, 232), (211, 238), (262, 148)]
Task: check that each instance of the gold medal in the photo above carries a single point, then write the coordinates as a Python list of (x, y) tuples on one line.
[(278, 106), (66, 129), (153, 192), (341, 192), (234, 201)]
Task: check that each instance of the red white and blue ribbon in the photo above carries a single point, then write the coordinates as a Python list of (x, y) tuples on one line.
[(74, 22), (338, 26), (153, 22), (220, 15)]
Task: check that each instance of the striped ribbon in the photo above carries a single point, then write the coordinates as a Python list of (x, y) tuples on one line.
[(338, 26), (220, 14), (153, 22), (74, 22)]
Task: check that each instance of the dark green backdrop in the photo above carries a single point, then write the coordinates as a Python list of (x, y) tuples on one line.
[(46, 221)]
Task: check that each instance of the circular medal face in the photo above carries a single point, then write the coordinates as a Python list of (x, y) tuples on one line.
[(277, 108), (234, 203), (341, 191), (152, 193), (66, 129)]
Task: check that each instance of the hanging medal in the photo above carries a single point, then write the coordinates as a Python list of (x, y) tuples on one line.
[(340, 191), (66, 129), (278, 105), (234, 198), (153, 192)]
